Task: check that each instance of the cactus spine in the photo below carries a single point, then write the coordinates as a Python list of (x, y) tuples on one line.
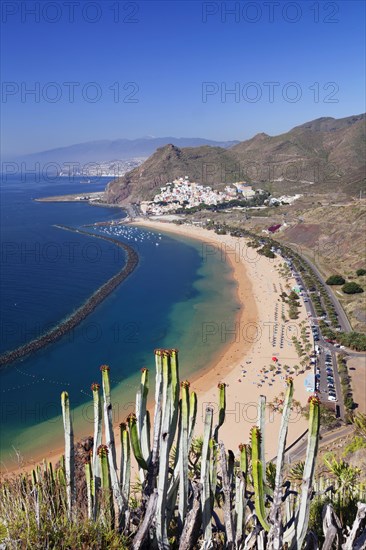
[(69, 454)]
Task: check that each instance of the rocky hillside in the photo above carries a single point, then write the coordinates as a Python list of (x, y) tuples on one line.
[(323, 154), (203, 164)]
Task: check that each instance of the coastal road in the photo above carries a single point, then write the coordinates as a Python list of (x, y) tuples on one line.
[(342, 317), (324, 347), (298, 451)]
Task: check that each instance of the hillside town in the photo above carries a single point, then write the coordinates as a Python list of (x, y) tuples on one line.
[(182, 193)]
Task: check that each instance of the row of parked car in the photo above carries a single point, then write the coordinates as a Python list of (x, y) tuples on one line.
[(315, 330), (332, 396)]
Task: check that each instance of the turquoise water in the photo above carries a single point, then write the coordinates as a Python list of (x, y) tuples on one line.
[(164, 303)]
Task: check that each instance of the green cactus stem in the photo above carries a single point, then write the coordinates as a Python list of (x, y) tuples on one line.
[(69, 455), (240, 490), (227, 491), (183, 453), (109, 435), (142, 415), (89, 483), (222, 409), (206, 501), (275, 535), (161, 507), (261, 423), (258, 482), (107, 495), (125, 468), (135, 441), (97, 441), (174, 367), (192, 416), (307, 482)]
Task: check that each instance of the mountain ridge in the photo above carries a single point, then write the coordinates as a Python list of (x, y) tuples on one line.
[(117, 149), (326, 153)]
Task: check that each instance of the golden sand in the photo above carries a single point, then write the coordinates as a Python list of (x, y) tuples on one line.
[(248, 345)]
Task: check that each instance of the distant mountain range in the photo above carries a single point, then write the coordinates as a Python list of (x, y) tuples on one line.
[(318, 156), (118, 149)]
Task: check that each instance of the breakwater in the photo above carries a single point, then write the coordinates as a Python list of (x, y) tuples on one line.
[(84, 310)]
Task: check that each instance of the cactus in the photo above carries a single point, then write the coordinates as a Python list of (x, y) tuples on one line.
[(205, 479), (183, 452), (69, 454), (174, 367), (107, 498), (192, 476), (222, 409), (302, 519), (142, 415), (165, 438), (125, 469), (261, 422), (97, 441), (192, 416), (226, 486), (109, 434), (275, 514), (135, 441), (89, 490), (240, 490), (258, 482)]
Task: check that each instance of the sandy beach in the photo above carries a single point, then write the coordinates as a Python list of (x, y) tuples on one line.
[(257, 335), (252, 340)]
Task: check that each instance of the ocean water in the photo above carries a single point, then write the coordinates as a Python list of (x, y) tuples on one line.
[(47, 273)]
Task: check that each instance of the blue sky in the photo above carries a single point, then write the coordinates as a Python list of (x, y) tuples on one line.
[(167, 68)]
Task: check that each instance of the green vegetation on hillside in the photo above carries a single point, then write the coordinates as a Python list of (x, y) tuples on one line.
[(352, 288), (335, 280)]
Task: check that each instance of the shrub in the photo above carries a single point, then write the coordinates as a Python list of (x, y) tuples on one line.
[(355, 444), (335, 280), (352, 288), (360, 272)]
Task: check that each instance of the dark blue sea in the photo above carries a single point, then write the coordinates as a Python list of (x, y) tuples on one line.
[(46, 273)]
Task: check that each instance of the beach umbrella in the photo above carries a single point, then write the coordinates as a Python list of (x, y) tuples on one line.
[(274, 359)]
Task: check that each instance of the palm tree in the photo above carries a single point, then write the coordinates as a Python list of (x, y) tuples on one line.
[(346, 477), (271, 474), (296, 473), (359, 420)]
